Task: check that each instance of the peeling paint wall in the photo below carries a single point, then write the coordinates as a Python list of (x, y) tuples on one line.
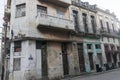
[(71, 59), (108, 40), (76, 58), (80, 17), (26, 25), (94, 51), (55, 66)]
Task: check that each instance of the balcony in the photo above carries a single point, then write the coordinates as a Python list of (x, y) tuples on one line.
[(114, 33), (84, 5), (52, 22), (104, 31), (62, 3)]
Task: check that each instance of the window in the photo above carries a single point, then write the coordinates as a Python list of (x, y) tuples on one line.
[(85, 22), (108, 39), (108, 27), (93, 24), (16, 64), (41, 9), (101, 23), (113, 27), (98, 46), (17, 46), (60, 13), (89, 46), (102, 38), (76, 21), (20, 10), (118, 48), (114, 40)]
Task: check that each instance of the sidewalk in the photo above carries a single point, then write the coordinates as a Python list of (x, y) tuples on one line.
[(87, 74)]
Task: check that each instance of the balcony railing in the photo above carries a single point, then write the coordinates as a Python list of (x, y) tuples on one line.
[(115, 32), (49, 21), (103, 30), (110, 32), (85, 5), (62, 3)]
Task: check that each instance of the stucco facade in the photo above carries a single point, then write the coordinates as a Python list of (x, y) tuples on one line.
[(54, 39)]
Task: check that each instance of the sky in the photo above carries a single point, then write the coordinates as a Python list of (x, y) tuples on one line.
[(1, 11), (112, 5)]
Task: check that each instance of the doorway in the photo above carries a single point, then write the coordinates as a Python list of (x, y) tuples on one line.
[(41, 59), (81, 57), (99, 55), (90, 55), (65, 59)]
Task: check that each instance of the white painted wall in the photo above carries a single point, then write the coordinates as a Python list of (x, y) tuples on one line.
[(27, 25)]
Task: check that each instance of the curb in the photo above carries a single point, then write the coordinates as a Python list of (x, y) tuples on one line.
[(91, 74)]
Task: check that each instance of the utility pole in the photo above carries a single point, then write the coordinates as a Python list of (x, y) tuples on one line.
[(4, 62)]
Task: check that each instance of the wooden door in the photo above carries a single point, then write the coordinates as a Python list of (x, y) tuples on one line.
[(81, 57), (65, 59)]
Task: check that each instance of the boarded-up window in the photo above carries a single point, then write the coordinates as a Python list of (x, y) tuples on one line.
[(20, 10), (16, 64), (17, 46)]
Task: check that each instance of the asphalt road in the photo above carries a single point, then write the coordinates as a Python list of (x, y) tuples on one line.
[(114, 75)]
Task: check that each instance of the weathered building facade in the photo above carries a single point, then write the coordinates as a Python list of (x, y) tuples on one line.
[(109, 37), (50, 39)]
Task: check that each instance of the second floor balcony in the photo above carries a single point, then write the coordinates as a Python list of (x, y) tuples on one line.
[(110, 32), (62, 3), (53, 22)]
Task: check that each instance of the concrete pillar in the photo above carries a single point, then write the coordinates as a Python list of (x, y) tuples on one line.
[(70, 59), (103, 54), (95, 60), (87, 63), (76, 58)]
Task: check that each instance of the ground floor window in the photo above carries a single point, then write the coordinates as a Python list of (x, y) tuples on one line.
[(17, 46), (17, 64)]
